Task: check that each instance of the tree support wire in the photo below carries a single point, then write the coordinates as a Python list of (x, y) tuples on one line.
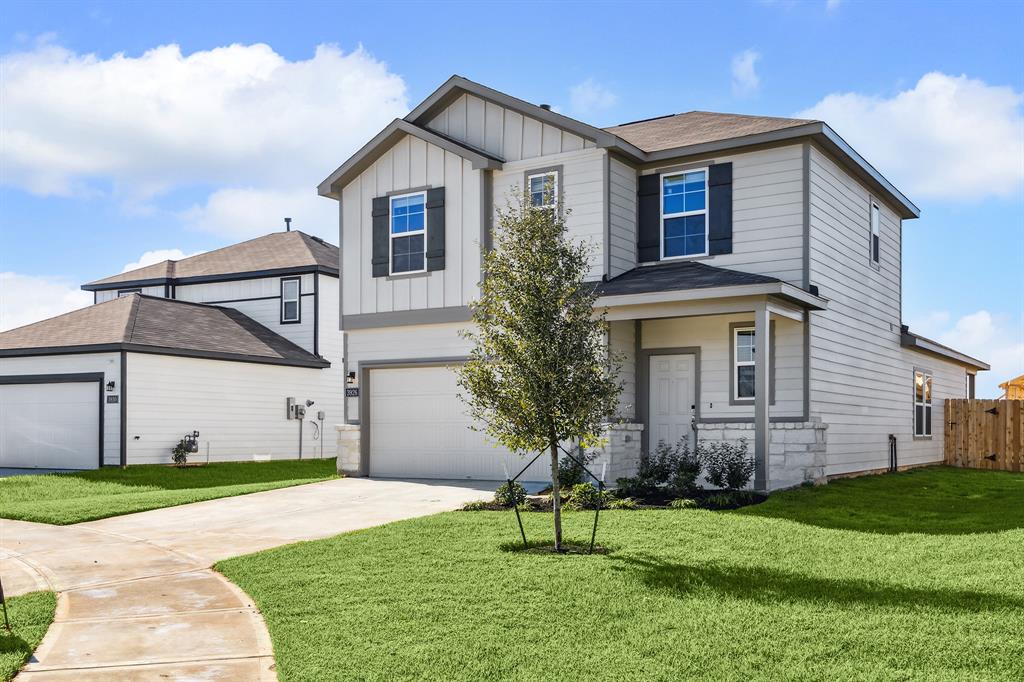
[(509, 481)]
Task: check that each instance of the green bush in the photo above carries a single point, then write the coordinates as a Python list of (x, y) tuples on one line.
[(587, 496), (179, 453), (570, 473), (624, 503), (478, 505), (510, 495), (728, 466), (670, 468), (722, 500), (682, 503)]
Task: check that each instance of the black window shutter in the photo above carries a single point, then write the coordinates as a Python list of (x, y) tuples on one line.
[(380, 237), (648, 234), (435, 228), (720, 208)]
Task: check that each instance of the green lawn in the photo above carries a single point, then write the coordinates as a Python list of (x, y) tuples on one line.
[(88, 495), (30, 614), (798, 588)]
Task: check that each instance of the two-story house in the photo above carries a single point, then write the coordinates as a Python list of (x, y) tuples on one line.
[(218, 345), (750, 268)]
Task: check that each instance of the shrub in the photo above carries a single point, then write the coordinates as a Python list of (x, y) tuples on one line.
[(624, 503), (728, 465), (672, 467), (478, 505), (587, 496), (682, 503), (635, 487), (179, 453), (570, 473), (721, 500), (510, 495)]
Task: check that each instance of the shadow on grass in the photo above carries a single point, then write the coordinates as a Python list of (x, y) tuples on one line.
[(934, 501), (547, 546), (768, 586)]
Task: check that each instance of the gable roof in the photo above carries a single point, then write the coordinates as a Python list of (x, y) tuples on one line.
[(275, 252), (149, 324), (698, 127)]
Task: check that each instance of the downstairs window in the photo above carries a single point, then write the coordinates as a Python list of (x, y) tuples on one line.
[(922, 403)]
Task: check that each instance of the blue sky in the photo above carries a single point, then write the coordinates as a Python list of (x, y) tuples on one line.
[(96, 172)]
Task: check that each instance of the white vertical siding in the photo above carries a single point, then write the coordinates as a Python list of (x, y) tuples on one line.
[(767, 212), (622, 217), (583, 193), (237, 407), (503, 132), (711, 334), (410, 164), (111, 294), (861, 379), (108, 363)]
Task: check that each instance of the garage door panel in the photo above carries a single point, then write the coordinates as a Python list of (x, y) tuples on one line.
[(49, 426), (419, 429)]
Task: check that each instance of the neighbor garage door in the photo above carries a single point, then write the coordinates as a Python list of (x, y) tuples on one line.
[(419, 429), (50, 425)]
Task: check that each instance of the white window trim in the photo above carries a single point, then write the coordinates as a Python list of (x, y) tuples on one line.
[(661, 211), (737, 363), (392, 236), (297, 300), (875, 220), (554, 189), (925, 402)]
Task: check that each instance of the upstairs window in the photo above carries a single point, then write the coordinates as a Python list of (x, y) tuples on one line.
[(543, 190), (684, 215), (875, 232), (743, 352), (291, 292), (408, 233), (922, 403)]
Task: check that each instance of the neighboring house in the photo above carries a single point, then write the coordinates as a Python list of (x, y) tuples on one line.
[(711, 232), (215, 343), (1013, 389)]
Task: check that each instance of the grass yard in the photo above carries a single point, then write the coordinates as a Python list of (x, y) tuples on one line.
[(31, 615), (798, 588), (88, 495)]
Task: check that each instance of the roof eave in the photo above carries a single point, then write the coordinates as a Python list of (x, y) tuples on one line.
[(919, 343), (781, 289), (203, 279), (332, 185)]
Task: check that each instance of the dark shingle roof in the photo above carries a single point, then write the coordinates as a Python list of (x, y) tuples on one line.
[(697, 127), (147, 323), (677, 277), (270, 252)]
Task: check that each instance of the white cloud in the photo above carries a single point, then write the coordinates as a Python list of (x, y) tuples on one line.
[(26, 298), (948, 137), (745, 80), (832, 5), (589, 97), (234, 116), (240, 213), (157, 256), (997, 340)]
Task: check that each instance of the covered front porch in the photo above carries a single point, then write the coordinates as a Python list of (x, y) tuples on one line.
[(694, 362)]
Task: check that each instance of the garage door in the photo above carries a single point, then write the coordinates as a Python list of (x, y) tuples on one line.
[(50, 425), (419, 429)]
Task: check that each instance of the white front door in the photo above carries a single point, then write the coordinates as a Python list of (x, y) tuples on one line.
[(671, 401), (50, 426)]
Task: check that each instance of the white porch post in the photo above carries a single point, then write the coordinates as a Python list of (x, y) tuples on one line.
[(762, 393)]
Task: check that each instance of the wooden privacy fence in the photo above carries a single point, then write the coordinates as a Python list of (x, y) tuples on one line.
[(985, 434)]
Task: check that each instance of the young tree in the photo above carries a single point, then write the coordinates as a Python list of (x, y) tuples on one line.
[(539, 373)]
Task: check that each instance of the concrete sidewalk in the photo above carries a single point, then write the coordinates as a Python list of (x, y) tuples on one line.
[(138, 600)]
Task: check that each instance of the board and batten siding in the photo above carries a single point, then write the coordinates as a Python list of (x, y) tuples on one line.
[(111, 294), (622, 207), (412, 163), (259, 299), (861, 378), (582, 192), (503, 132), (81, 363), (714, 338), (237, 407), (412, 343), (767, 215), (622, 344)]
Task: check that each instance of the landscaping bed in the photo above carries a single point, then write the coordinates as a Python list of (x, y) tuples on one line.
[(66, 498), (784, 590), (30, 616)]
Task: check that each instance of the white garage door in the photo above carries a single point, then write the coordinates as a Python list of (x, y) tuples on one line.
[(419, 429), (50, 426)]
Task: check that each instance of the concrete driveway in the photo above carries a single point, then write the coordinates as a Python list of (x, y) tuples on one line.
[(138, 600)]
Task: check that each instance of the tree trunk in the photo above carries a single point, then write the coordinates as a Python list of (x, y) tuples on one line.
[(556, 501)]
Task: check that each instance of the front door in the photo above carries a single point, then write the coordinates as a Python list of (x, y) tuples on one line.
[(671, 401)]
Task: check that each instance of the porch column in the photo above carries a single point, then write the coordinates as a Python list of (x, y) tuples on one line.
[(762, 393)]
